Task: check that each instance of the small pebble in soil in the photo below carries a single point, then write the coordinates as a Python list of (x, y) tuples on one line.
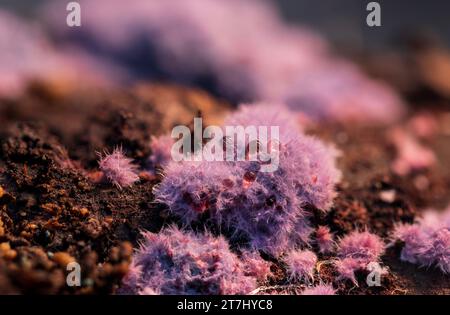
[(63, 258), (6, 252), (421, 182), (388, 196)]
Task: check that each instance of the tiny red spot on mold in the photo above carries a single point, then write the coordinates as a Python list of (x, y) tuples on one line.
[(249, 178), (200, 207)]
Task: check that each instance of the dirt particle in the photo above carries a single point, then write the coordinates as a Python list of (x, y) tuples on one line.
[(388, 196), (421, 182), (6, 252), (62, 259), (82, 212), (146, 176), (126, 249), (2, 229), (96, 176), (50, 208), (26, 235), (108, 220), (93, 228)]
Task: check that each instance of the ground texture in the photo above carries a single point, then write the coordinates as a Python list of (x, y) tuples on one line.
[(55, 209)]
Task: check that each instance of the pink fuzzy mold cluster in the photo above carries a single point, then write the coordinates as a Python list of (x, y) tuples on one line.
[(161, 151), (177, 262), (301, 264), (426, 242), (242, 50), (265, 208), (324, 239), (356, 251), (118, 169)]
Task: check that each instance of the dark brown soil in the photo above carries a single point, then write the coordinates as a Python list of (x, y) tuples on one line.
[(54, 209)]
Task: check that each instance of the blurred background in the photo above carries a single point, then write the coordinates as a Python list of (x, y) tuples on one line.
[(318, 57), (343, 22)]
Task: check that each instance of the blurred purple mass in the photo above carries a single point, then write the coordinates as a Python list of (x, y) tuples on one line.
[(241, 50), (27, 54)]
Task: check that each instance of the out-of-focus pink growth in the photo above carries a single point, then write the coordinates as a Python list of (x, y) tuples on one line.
[(423, 125), (411, 154), (161, 150), (177, 262), (427, 242), (320, 289), (356, 251), (27, 54), (189, 40), (118, 169), (324, 239), (314, 176), (300, 264)]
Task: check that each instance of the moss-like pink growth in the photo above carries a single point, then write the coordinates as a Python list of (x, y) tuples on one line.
[(423, 125), (411, 154), (265, 208), (40, 60), (427, 242), (356, 251), (118, 169), (177, 262), (320, 289), (255, 206), (306, 165), (191, 188), (324, 239), (300, 264), (336, 90)]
